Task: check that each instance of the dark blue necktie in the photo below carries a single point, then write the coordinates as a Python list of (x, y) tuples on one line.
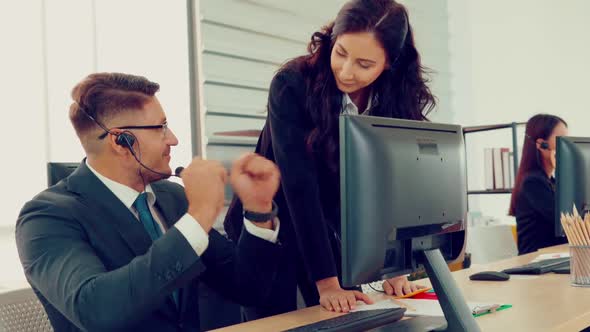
[(150, 225), (145, 216)]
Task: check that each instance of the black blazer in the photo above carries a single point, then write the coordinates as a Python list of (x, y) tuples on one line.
[(535, 213), (94, 267), (309, 197)]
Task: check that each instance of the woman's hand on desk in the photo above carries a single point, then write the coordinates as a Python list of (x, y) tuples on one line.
[(334, 298), (400, 286)]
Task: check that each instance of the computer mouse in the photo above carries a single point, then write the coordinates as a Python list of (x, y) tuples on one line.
[(490, 276)]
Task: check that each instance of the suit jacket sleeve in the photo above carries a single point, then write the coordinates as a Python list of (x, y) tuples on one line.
[(61, 263), (538, 192), (299, 175), (242, 273)]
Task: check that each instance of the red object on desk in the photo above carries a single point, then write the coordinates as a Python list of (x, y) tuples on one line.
[(425, 296)]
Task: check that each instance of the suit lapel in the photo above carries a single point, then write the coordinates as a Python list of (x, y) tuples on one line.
[(167, 204), (107, 208)]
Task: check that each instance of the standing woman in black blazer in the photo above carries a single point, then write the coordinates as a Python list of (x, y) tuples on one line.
[(364, 62), (533, 196)]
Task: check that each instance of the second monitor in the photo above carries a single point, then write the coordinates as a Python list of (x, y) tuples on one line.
[(572, 177)]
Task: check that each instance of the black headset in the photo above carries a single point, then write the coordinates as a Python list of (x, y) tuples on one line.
[(402, 42), (544, 144), (126, 139)]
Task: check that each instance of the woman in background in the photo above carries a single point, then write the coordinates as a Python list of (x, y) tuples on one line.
[(533, 196), (365, 62)]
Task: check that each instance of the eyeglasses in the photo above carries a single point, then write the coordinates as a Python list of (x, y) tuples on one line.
[(163, 126)]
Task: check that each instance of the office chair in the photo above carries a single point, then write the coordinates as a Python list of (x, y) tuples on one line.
[(20, 310), (59, 171)]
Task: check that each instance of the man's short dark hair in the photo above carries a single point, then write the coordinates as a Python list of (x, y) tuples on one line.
[(104, 95)]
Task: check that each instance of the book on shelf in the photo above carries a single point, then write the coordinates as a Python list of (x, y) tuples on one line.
[(506, 167), (488, 167), (498, 170), (512, 175), (498, 176)]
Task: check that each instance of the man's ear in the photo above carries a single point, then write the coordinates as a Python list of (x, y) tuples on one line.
[(114, 138)]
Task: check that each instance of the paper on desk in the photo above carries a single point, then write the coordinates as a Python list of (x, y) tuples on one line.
[(414, 307), (383, 304), (431, 307), (550, 256)]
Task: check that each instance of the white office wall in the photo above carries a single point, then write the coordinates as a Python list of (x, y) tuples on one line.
[(49, 46), (149, 38), (511, 60), (23, 95), (70, 55), (430, 23), (530, 56)]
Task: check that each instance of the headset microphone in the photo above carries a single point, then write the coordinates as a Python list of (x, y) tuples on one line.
[(127, 139)]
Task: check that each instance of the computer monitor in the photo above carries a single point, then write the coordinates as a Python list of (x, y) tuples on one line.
[(572, 177), (403, 203), (403, 189), (58, 171)]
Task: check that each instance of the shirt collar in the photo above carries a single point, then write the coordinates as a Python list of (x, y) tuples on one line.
[(348, 106), (125, 194)]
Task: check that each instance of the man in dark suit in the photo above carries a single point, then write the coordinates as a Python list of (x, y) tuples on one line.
[(116, 247)]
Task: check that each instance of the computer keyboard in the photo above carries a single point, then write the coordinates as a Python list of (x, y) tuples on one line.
[(562, 270), (540, 267), (355, 321)]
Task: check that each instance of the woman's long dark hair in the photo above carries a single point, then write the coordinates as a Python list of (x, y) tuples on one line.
[(401, 88), (539, 126)]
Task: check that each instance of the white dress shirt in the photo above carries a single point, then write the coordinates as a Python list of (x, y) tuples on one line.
[(348, 106), (187, 225)]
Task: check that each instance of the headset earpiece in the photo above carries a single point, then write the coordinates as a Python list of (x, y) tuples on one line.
[(402, 42), (126, 140), (544, 145)]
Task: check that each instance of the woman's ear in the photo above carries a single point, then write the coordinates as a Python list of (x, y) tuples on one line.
[(542, 144)]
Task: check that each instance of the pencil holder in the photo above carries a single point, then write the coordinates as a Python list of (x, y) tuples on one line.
[(580, 266)]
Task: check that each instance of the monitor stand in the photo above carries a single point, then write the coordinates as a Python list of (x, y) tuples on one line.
[(457, 313)]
